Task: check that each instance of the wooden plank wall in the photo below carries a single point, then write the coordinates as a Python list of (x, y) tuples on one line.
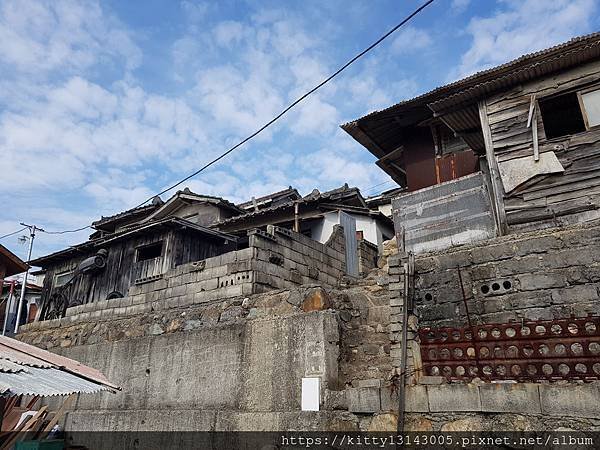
[(121, 268), (548, 200)]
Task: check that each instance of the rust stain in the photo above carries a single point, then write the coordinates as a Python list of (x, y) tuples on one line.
[(561, 349)]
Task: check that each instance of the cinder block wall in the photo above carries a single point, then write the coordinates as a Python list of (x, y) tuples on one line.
[(540, 275)]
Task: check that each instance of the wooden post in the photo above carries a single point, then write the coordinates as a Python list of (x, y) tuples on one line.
[(496, 183)]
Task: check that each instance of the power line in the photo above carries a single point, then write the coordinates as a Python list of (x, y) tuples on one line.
[(66, 231), (295, 102), (13, 233), (281, 114)]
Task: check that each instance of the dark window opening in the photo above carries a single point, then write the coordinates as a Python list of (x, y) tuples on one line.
[(561, 115), (113, 295), (150, 251)]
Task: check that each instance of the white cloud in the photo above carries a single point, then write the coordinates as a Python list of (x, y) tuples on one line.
[(520, 27), (411, 40), (40, 36), (459, 6)]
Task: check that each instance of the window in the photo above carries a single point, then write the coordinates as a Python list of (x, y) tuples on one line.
[(591, 105), (562, 115), (60, 279), (150, 251)]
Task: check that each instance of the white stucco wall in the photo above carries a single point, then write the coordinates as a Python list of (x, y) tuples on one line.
[(372, 232)]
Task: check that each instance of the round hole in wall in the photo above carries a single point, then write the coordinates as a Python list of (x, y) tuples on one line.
[(594, 347), (430, 336), (498, 352), (496, 333), (473, 371), (596, 368), (482, 333), (507, 284), (547, 369), (560, 349), (590, 327), (512, 351), (576, 348), (495, 286), (443, 336), (435, 371), (556, 329), (487, 370), (456, 335), (471, 352), (528, 351), (444, 353), (540, 329), (432, 354), (510, 332), (531, 369), (515, 370), (428, 297), (525, 331), (573, 328), (501, 370), (484, 352), (468, 335), (460, 371), (447, 371), (563, 369), (485, 289), (543, 350), (580, 368), (458, 353)]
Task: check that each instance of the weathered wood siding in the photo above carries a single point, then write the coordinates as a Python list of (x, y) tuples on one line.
[(122, 269), (547, 200)]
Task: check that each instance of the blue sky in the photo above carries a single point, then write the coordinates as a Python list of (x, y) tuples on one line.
[(104, 103)]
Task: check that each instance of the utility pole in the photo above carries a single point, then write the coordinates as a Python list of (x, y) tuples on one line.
[(32, 229)]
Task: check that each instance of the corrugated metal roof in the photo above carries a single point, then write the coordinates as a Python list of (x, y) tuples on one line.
[(45, 373), (47, 382)]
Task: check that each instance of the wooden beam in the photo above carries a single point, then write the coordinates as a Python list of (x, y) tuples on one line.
[(496, 183)]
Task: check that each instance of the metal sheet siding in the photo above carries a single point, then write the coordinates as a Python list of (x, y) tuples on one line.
[(438, 217), (349, 224)]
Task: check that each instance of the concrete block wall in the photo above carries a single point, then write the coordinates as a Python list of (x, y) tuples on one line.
[(551, 274), (279, 259), (367, 256)]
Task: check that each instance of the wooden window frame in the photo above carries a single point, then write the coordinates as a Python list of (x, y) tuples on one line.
[(60, 274), (141, 247)]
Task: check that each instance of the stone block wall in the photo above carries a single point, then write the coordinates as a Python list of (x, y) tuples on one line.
[(552, 274), (278, 259)]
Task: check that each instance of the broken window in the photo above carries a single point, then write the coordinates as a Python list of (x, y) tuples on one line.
[(591, 107), (60, 279), (562, 115), (149, 251)]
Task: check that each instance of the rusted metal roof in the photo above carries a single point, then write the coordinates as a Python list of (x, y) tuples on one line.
[(26, 369)]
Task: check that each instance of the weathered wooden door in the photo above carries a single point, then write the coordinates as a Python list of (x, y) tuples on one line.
[(349, 224)]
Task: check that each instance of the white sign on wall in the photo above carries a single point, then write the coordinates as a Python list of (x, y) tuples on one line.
[(311, 394)]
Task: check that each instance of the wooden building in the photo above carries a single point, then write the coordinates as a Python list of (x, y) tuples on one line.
[(313, 215), (134, 247), (512, 148)]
